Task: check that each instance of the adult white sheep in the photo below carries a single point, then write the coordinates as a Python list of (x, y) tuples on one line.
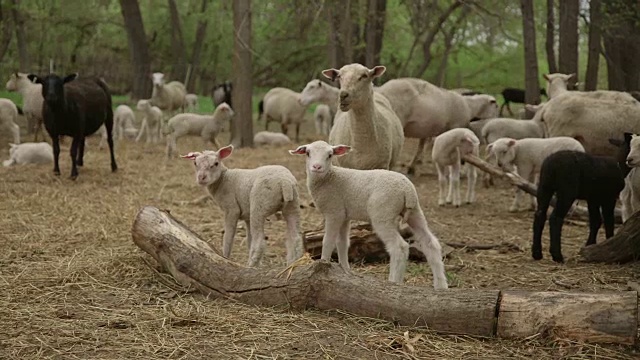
[(379, 196), (319, 91), (9, 117), (207, 126), (527, 156), (365, 120), (151, 121), (282, 105), (191, 102), (262, 138), (323, 119), (427, 111), (31, 100), (169, 97), (629, 163), (448, 150), (29, 153), (250, 195), (497, 128)]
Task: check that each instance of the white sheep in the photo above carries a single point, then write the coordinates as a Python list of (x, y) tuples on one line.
[(31, 100), (191, 102), (270, 138), (382, 197), (29, 153), (557, 83), (630, 195), (282, 105), (250, 195), (427, 111), (207, 126), (525, 157), (448, 150), (151, 121), (365, 120), (323, 119), (318, 91), (169, 97), (123, 119), (9, 117), (497, 128)]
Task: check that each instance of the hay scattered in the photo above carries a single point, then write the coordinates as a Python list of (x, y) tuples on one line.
[(75, 286)]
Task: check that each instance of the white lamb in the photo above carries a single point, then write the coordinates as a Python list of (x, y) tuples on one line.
[(323, 119), (630, 195), (270, 138), (169, 97), (151, 122), (29, 153), (365, 120), (282, 105), (123, 119), (498, 128), (448, 150), (9, 117), (250, 195), (381, 197), (191, 102), (31, 100), (525, 157), (207, 126)]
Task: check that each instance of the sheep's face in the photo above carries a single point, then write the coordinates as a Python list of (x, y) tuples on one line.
[(12, 84), (225, 110), (315, 91), (209, 166), (488, 108), (53, 87), (319, 154), (142, 105), (558, 79), (505, 152), (355, 83), (158, 79), (633, 159)]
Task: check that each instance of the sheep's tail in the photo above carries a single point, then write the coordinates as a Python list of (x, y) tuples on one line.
[(260, 109), (288, 192)]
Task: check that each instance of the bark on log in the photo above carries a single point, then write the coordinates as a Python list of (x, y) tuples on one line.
[(604, 318), (326, 286), (622, 248), (580, 212)]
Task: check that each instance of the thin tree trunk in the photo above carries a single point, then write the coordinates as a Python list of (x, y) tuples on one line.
[(179, 71), (448, 45), (595, 30), (242, 129), (138, 49), (374, 31), (336, 41), (568, 45), (550, 38), (21, 38), (201, 32), (622, 50), (7, 27), (532, 87)]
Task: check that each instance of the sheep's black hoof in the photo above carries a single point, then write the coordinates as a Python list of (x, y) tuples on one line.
[(79, 163), (537, 255), (114, 168), (73, 177), (56, 172), (558, 259)]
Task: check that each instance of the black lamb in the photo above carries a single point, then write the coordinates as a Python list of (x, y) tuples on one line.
[(513, 95), (572, 175), (75, 108)]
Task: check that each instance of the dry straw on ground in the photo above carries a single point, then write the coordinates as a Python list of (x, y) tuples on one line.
[(75, 286)]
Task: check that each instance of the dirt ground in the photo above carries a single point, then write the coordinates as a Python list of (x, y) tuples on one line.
[(75, 286)]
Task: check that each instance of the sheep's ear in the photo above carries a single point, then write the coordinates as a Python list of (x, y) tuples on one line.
[(191, 155), (34, 78), (546, 77), (70, 78), (224, 152), (511, 142), (469, 139), (377, 71), (572, 75), (339, 150), (331, 74), (301, 150), (490, 148), (627, 137)]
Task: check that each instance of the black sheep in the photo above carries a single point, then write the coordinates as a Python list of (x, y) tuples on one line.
[(572, 175), (76, 109), (516, 96), (222, 93)]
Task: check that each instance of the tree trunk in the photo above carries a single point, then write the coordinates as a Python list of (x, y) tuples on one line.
[(593, 60), (622, 248), (325, 286), (374, 31), (21, 38), (335, 47), (449, 36), (201, 32), (179, 71), (622, 50), (242, 129), (532, 87), (568, 45), (550, 38), (5, 37), (138, 49)]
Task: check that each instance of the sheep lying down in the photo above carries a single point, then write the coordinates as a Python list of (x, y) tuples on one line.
[(29, 153)]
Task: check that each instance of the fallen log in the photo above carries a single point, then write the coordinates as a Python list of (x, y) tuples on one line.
[(580, 212), (325, 286), (623, 247)]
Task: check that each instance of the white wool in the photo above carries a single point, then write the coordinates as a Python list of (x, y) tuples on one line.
[(29, 153), (9, 117), (323, 119), (151, 121), (283, 105), (262, 138), (191, 102), (31, 99)]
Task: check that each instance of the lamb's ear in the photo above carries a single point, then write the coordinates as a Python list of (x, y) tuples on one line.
[(224, 152), (377, 71), (70, 78), (490, 148), (546, 77), (469, 139), (331, 74), (339, 150), (511, 142), (34, 78), (191, 155), (301, 150), (532, 108)]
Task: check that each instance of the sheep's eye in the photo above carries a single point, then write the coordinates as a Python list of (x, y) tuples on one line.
[(307, 154), (215, 164), (329, 157), (363, 76)]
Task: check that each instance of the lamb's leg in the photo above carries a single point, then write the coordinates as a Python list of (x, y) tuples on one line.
[(525, 173), (395, 245), (472, 176), (230, 224), (291, 213), (331, 233), (258, 243), (318, 122), (418, 157), (556, 220), (442, 183), (15, 130), (608, 211), (247, 227), (429, 244), (625, 200), (540, 217), (343, 245), (55, 141), (454, 184), (169, 143), (502, 108), (143, 125), (595, 221), (298, 132)]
